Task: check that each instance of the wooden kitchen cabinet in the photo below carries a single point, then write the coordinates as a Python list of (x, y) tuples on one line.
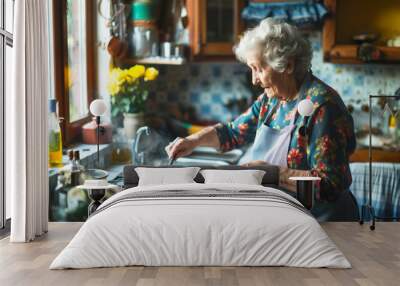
[(353, 17), (214, 27), (378, 155)]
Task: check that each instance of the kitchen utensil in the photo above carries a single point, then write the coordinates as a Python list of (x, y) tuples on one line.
[(154, 49), (143, 39), (178, 51), (171, 161), (117, 48), (166, 49)]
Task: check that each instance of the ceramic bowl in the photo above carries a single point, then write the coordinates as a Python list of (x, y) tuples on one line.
[(95, 174)]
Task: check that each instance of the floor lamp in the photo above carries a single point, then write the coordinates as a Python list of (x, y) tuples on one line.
[(368, 208)]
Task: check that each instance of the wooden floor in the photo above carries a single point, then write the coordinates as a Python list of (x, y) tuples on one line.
[(374, 255)]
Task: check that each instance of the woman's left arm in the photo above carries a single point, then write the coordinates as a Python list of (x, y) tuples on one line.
[(331, 142)]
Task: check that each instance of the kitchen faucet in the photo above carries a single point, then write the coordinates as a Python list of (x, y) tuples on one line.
[(139, 157)]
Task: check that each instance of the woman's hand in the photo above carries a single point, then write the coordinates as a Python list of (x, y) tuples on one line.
[(180, 147), (286, 173), (255, 163)]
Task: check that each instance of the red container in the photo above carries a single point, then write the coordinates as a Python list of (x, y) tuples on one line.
[(89, 133)]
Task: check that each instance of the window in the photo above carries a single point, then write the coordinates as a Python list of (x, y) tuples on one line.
[(6, 66), (74, 63)]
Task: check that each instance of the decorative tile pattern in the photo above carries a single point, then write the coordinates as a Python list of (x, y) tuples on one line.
[(208, 87)]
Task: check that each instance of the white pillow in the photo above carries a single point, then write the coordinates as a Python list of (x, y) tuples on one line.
[(164, 176), (248, 177)]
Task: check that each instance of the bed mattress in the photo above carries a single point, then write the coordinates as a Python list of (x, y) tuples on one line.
[(201, 225)]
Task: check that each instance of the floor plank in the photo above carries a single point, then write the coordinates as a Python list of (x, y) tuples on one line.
[(374, 255)]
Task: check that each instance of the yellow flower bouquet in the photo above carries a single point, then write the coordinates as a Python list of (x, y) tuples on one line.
[(128, 88)]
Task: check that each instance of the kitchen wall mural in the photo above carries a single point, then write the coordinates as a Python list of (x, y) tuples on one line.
[(210, 87)]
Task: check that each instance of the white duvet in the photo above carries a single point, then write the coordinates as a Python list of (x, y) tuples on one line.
[(183, 231)]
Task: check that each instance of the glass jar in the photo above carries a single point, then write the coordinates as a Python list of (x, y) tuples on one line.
[(143, 10), (143, 39)]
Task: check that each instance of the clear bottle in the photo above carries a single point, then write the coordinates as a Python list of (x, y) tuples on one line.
[(68, 168), (77, 158), (77, 170), (392, 128), (55, 140)]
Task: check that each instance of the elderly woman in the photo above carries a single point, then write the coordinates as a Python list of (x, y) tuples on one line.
[(315, 145)]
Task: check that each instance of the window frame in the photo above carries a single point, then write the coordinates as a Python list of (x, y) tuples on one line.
[(72, 131)]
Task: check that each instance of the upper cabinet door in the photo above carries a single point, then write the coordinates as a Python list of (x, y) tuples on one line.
[(214, 26)]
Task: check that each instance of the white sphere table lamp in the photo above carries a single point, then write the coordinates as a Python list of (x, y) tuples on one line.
[(98, 107)]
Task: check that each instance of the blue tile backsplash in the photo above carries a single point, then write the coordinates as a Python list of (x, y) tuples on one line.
[(208, 87)]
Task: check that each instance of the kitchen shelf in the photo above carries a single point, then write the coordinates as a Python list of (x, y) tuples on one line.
[(348, 18), (152, 61), (347, 54), (378, 155)]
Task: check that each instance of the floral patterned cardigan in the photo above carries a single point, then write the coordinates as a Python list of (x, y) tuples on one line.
[(324, 149)]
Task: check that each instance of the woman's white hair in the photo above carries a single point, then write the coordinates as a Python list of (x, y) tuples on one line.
[(276, 42)]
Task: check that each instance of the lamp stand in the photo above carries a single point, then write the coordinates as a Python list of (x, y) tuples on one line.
[(368, 208), (98, 140)]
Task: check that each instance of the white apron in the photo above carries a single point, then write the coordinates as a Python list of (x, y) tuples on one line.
[(271, 145)]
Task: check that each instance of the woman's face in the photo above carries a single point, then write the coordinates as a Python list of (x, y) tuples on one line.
[(275, 84)]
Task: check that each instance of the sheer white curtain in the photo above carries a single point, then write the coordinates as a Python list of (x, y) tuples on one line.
[(27, 147)]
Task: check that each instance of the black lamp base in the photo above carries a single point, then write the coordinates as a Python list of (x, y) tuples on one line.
[(370, 210), (305, 193), (96, 195)]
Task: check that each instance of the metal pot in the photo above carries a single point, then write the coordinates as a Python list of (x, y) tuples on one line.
[(142, 41)]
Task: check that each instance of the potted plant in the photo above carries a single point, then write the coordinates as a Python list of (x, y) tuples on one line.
[(129, 90)]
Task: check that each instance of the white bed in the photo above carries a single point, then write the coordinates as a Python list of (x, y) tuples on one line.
[(222, 225)]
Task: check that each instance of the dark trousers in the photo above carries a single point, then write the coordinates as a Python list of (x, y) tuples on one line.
[(343, 209)]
